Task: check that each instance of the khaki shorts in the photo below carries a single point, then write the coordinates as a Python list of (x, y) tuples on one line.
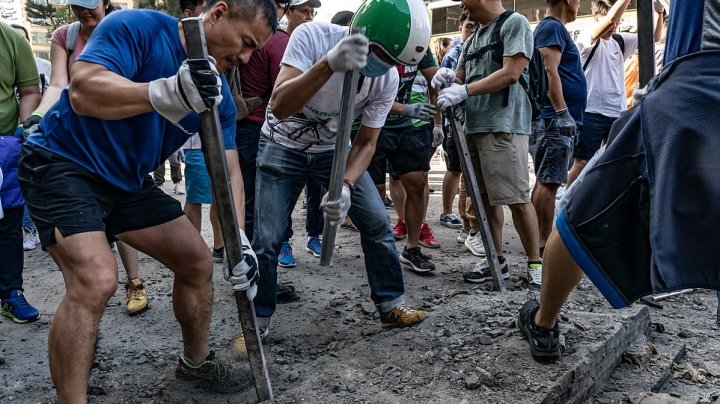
[(500, 162)]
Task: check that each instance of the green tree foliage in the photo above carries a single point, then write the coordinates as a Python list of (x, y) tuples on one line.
[(171, 7), (47, 15)]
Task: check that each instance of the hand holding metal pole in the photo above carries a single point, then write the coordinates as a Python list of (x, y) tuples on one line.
[(212, 145)]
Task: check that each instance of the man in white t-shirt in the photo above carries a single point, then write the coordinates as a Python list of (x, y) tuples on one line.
[(603, 53), (298, 141)]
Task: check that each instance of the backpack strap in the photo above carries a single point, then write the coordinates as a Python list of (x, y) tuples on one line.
[(71, 37), (617, 37), (621, 41), (592, 53)]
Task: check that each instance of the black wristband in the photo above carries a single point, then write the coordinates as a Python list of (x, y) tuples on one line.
[(350, 185)]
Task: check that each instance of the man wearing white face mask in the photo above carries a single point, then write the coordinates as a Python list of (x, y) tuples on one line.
[(299, 138)]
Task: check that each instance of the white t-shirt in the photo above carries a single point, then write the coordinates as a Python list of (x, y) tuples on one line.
[(314, 129), (606, 73), (193, 143), (44, 69)]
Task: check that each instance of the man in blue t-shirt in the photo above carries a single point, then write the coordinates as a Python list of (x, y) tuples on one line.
[(553, 135), (134, 99), (642, 217)]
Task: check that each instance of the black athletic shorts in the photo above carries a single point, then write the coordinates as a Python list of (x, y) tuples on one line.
[(452, 157), (405, 149), (62, 194)]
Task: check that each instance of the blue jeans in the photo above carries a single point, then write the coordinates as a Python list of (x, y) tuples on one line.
[(27, 220), (281, 174), (247, 136)]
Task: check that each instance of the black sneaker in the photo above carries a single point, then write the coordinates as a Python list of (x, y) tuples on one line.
[(286, 294), (212, 374), (218, 254), (389, 204), (544, 342), (481, 271), (415, 259)]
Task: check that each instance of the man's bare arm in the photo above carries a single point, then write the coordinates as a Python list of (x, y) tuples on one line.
[(362, 153), (294, 89), (500, 79), (552, 58), (29, 100), (238, 186), (97, 92)]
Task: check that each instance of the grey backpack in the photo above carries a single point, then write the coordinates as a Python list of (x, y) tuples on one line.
[(71, 37)]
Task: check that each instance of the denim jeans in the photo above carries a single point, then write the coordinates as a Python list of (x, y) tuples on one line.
[(27, 220), (281, 174), (247, 136)]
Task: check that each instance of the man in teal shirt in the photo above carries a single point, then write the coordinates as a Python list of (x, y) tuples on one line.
[(497, 125)]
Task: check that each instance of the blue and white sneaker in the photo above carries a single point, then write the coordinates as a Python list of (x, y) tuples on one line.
[(451, 221), (17, 308), (314, 246), (286, 258)]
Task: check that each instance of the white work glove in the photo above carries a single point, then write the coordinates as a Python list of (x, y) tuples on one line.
[(335, 211), (453, 95), (177, 157), (438, 136), (245, 274), (444, 77), (195, 88), (419, 111), (349, 54), (639, 94)]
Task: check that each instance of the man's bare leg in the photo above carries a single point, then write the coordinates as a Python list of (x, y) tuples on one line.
[(216, 229), (450, 187), (89, 270), (414, 184), (560, 276), (129, 258), (575, 170), (193, 211), (496, 220), (397, 194), (178, 245), (526, 224), (543, 199)]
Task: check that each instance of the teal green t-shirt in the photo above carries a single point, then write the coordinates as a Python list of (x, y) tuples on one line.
[(485, 113), (407, 76), (18, 70)]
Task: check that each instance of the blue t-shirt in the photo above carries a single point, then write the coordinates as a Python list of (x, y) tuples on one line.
[(694, 25), (140, 45), (552, 33)]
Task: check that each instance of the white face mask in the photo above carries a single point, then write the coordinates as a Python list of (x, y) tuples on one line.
[(375, 67)]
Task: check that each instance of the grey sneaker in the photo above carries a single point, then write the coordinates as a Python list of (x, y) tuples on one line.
[(475, 245), (481, 272)]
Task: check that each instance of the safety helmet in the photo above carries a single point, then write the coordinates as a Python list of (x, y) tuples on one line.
[(401, 28)]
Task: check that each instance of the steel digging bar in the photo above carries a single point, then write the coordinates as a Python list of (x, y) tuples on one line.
[(342, 145), (212, 146), (646, 43), (472, 187)]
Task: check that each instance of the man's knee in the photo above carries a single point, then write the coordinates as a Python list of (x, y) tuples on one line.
[(93, 282), (414, 183), (197, 267)]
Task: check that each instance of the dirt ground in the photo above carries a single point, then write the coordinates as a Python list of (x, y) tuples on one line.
[(328, 347)]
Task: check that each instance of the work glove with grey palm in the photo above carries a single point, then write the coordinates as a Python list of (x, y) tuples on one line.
[(422, 111), (349, 54), (443, 78), (566, 122), (244, 275), (438, 136), (195, 88), (334, 212)]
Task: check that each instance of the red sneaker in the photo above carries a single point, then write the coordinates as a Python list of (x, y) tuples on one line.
[(400, 230), (427, 239)]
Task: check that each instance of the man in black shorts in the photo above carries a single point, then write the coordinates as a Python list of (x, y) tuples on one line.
[(134, 99)]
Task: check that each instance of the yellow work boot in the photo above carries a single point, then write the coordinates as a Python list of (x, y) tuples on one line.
[(402, 316), (239, 347), (136, 295)]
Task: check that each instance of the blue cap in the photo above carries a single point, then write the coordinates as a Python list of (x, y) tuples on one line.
[(91, 4)]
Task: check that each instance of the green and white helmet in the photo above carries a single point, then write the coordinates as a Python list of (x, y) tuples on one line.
[(400, 27)]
